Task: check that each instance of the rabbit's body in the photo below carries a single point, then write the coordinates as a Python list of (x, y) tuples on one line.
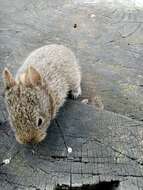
[(59, 70), (40, 88)]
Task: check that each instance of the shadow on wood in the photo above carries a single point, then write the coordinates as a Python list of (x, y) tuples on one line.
[(105, 146)]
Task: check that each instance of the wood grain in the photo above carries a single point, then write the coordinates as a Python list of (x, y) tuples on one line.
[(107, 41), (106, 146)]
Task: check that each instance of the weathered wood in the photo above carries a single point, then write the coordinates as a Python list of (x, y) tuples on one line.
[(106, 146), (107, 41)]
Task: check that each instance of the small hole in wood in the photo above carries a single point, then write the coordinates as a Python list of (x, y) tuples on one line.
[(75, 26)]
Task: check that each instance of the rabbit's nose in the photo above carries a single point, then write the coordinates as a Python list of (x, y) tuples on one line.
[(30, 140), (33, 140), (27, 139)]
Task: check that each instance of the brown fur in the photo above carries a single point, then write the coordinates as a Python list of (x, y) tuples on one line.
[(39, 90)]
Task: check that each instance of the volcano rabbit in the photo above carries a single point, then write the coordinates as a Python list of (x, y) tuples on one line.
[(39, 89)]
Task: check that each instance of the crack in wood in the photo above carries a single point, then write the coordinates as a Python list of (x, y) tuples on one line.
[(21, 185), (111, 185), (131, 33), (127, 156), (62, 134)]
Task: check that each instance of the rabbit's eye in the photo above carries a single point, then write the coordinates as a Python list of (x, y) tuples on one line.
[(40, 121)]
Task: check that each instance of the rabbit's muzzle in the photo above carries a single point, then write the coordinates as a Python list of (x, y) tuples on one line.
[(32, 137)]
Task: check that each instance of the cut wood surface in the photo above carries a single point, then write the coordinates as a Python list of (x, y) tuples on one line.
[(107, 42), (106, 37), (105, 146)]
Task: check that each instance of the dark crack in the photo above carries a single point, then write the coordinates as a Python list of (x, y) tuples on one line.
[(131, 33), (111, 185), (21, 185), (62, 134), (127, 156)]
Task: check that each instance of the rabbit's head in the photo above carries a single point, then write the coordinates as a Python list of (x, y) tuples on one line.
[(28, 106)]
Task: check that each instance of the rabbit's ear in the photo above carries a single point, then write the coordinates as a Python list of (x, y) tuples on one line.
[(33, 77), (8, 79)]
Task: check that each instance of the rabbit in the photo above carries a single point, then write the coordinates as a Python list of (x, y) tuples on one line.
[(40, 87)]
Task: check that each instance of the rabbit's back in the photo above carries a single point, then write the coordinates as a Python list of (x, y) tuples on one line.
[(53, 61)]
